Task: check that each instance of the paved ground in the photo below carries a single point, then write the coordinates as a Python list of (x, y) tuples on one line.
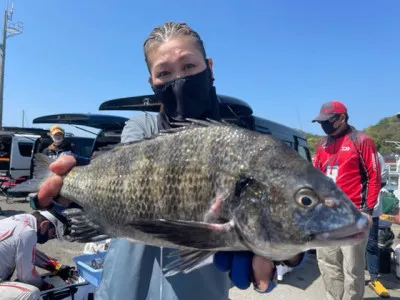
[(302, 284)]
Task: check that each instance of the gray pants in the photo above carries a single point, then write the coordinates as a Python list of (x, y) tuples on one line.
[(342, 271)]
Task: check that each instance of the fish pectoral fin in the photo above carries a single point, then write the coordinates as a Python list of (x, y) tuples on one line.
[(196, 235), (81, 228), (186, 261)]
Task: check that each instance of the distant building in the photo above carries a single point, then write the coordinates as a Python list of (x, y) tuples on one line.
[(393, 163)]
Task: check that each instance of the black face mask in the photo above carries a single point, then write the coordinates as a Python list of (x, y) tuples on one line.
[(327, 126), (42, 238), (186, 97)]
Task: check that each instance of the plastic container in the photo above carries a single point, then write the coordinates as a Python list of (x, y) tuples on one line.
[(85, 267)]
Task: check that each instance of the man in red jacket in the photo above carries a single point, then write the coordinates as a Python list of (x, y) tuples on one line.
[(349, 157)]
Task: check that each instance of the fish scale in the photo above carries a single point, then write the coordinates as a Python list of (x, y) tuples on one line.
[(151, 178), (204, 188)]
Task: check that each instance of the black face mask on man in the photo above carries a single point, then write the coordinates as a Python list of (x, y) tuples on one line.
[(185, 97), (327, 126), (42, 238)]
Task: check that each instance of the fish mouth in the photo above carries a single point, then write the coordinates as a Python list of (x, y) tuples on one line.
[(357, 231)]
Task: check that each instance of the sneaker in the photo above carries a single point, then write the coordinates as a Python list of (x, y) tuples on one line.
[(282, 270), (379, 289)]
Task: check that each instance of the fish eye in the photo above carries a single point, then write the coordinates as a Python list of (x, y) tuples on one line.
[(306, 198)]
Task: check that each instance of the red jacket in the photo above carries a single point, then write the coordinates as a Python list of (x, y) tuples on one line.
[(352, 160)]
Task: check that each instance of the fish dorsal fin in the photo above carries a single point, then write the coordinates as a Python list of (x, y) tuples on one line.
[(192, 123), (185, 125), (189, 123), (115, 147)]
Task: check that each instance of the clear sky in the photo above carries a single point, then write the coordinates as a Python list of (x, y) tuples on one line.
[(284, 57)]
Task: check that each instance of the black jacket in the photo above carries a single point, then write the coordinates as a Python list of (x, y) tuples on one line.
[(54, 151)]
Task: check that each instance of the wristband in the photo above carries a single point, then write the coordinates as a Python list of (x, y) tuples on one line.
[(34, 201), (58, 266)]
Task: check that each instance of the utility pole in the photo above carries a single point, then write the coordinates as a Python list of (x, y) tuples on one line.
[(9, 30)]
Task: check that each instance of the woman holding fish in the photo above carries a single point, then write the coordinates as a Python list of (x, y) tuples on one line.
[(209, 187), (182, 79)]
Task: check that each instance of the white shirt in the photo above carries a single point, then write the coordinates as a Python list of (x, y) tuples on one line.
[(18, 240)]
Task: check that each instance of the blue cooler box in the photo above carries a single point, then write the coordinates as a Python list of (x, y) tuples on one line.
[(84, 265)]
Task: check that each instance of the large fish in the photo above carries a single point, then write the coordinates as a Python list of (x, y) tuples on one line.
[(209, 187)]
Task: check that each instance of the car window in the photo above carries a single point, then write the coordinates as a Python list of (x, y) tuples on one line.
[(25, 149), (83, 146), (303, 151)]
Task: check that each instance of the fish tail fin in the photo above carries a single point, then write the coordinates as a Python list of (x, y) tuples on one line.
[(82, 228), (40, 174)]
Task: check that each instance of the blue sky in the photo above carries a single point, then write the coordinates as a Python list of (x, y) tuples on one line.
[(283, 57)]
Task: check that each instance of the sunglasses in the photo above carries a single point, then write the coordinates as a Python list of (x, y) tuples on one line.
[(331, 120)]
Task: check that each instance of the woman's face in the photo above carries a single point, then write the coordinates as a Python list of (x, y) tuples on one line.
[(176, 57)]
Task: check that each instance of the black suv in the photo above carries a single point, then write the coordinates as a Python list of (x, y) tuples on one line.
[(232, 110)]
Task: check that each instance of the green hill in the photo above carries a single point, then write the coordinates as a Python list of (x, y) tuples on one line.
[(387, 129)]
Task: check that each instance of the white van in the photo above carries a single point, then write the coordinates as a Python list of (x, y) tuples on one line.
[(16, 154)]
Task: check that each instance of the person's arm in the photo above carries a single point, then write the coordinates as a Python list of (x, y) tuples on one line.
[(25, 258), (52, 265), (139, 128), (45, 262), (369, 155)]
